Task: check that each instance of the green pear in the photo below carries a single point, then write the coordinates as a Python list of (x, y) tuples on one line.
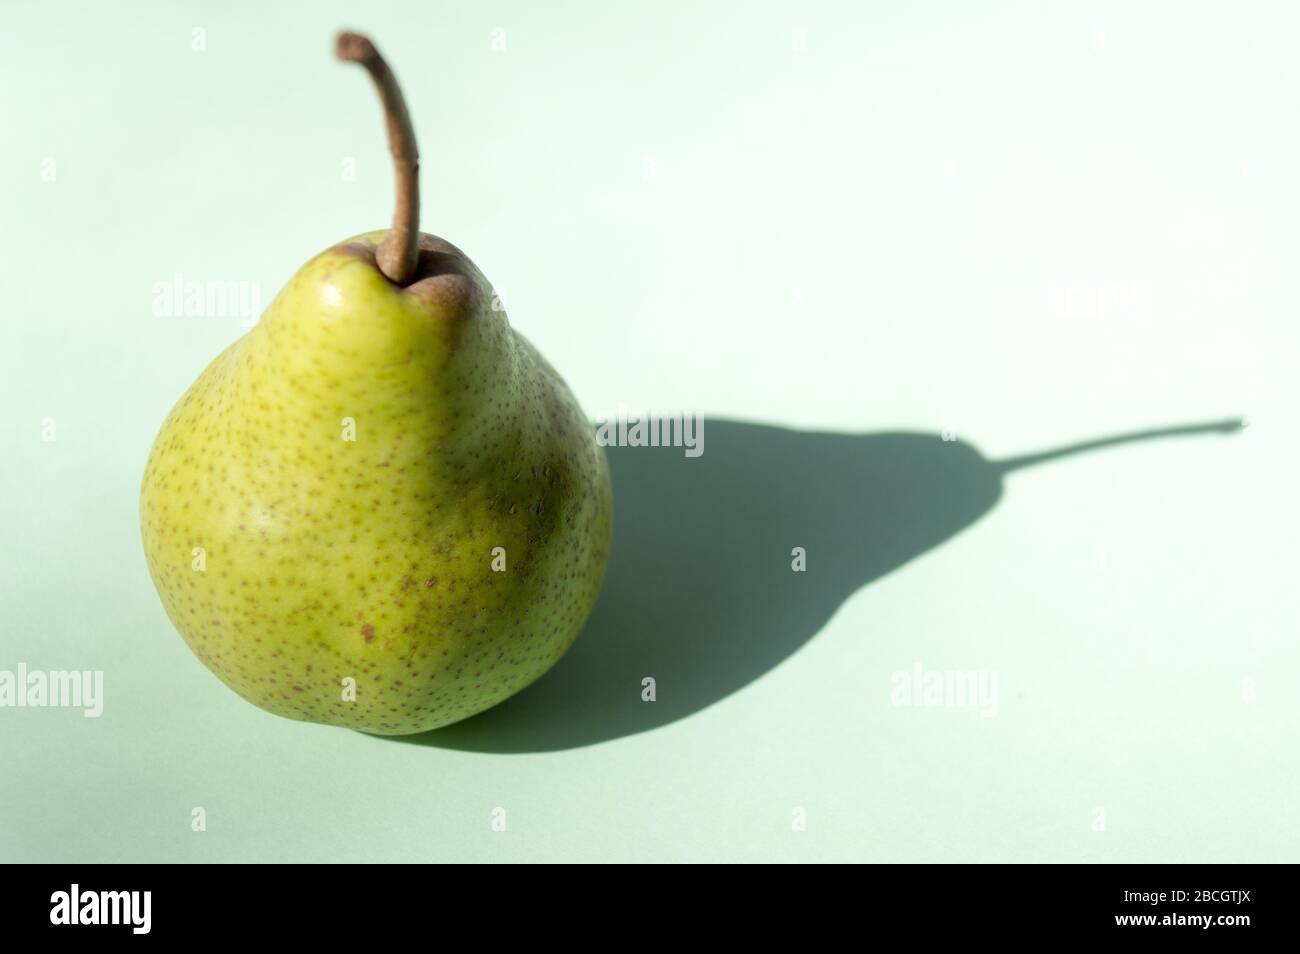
[(381, 508)]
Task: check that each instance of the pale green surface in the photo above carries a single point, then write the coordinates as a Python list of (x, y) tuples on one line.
[(854, 236)]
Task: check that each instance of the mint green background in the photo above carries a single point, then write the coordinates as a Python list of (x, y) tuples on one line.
[(855, 236)]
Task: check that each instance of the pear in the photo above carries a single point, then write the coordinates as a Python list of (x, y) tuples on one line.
[(381, 508)]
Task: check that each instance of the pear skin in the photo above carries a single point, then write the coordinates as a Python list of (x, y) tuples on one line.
[(381, 508)]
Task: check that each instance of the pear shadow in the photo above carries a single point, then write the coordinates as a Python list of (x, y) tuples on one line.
[(700, 592)]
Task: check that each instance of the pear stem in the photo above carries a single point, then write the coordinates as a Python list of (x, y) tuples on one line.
[(397, 253)]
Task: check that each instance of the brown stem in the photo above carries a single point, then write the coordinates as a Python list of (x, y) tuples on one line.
[(398, 251)]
